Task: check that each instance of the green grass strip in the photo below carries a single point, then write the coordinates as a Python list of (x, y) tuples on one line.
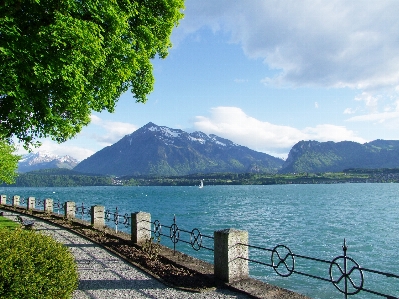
[(7, 223)]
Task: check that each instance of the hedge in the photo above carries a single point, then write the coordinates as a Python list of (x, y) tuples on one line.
[(33, 266)]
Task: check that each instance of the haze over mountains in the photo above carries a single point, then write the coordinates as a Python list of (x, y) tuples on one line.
[(161, 151)]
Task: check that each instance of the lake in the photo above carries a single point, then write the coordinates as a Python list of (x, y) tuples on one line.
[(311, 220)]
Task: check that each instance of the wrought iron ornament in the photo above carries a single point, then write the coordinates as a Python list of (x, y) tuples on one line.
[(350, 277)]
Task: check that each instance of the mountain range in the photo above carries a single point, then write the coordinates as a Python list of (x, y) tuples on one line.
[(161, 151), (314, 156), (44, 160)]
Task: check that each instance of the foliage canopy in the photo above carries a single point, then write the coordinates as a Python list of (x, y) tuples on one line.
[(61, 60), (8, 162)]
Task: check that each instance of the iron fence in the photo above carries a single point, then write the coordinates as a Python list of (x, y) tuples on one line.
[(117, 218), (39, 203), (347, 276), (59, 206), (194, 237), (23, 201), (82, 211)]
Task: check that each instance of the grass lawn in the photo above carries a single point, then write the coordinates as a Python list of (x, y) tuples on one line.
[(7, 223)]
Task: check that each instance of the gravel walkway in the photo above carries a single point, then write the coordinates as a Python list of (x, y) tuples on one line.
[(104, 275)]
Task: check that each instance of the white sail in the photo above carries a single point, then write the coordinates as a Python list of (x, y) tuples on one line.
[(202, 184)]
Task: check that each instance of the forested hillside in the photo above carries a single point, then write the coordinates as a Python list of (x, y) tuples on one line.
[(60, 178), (314, 156)]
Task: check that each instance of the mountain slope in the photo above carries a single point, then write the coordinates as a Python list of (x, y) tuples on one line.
[(159, 150), (314, 156), (44, 160)]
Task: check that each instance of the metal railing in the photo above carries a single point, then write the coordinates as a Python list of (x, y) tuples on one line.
[(82, 211), (194, 237), (117, 218), (59, 206), (39, 204), (343, 271)]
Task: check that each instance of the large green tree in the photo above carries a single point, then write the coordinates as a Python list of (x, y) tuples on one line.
[(62, 59), (8, 162)]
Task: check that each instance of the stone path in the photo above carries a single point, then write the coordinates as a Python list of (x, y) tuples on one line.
[(104, 275)]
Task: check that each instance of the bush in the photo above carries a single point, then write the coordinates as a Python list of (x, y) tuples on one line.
[(35, 266)]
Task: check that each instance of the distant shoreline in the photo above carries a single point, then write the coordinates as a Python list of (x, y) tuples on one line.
[(50, 178)]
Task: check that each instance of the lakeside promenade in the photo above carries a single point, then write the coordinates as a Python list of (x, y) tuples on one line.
[(103, 275)]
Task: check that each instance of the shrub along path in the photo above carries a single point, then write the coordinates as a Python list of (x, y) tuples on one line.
[(105, 275)]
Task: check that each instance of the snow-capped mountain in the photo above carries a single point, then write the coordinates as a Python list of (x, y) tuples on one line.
[(45, 160), (159, 150)]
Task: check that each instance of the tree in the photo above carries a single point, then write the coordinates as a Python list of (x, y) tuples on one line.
[(61, 60), (8, 163)]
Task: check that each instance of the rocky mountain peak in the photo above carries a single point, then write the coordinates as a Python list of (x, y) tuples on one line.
[(44, 160), (160, 150)]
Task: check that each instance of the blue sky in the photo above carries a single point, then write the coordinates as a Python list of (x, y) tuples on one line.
[(267, 74)]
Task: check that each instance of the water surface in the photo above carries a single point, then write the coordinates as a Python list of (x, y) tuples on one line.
[(311, 220)]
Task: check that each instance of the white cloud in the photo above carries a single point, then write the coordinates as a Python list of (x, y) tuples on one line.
[(376, 112), (74, 151), (349, 111), (312, 43), (370, 101), (86, 143), (63, 149), (113, 130), (232, 123), (334, 133), (376, 117)]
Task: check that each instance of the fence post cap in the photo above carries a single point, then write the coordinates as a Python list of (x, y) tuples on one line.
[(230, 230), (140, 212)]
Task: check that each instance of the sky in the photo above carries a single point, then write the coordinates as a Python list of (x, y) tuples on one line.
[(266, 75)]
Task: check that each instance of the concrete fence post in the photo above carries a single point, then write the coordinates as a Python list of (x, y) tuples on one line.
[(48, 205), (30, 205), (15, 201), (97, 216), (141, 227), (230, 257), (70, 209), (3, 199)]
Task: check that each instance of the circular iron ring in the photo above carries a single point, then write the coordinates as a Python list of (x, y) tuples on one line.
[(196, 239), (116, 218), (126, 220), (282, 260), (157, 228), (346, 276), (174, 233), (107, 215)]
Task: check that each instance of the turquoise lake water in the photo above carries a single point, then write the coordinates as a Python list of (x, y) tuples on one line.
[(311, 220)]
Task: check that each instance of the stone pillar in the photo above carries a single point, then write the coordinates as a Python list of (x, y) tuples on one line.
[(70, 209), (3, 199), (30, 205), (15, 201), (48, 205), (141, 227), (229, 264), (97, 216)]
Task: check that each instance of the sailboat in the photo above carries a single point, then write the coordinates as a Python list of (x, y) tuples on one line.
[(202, 184)]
